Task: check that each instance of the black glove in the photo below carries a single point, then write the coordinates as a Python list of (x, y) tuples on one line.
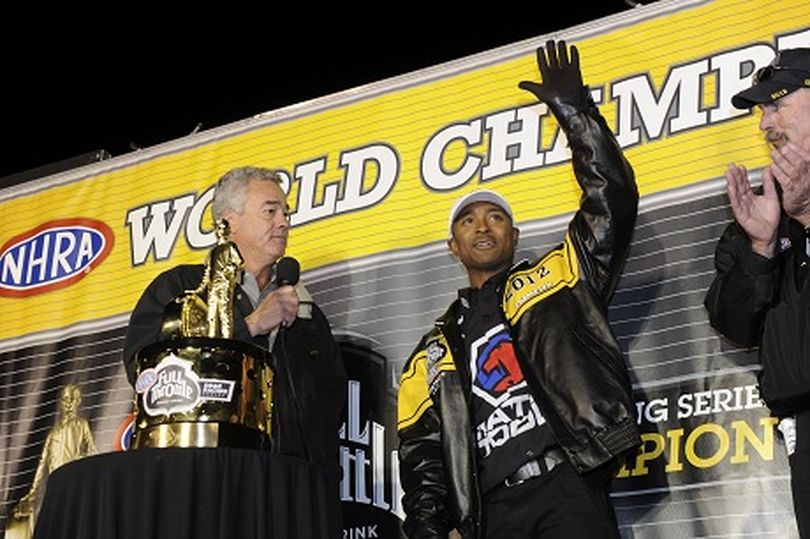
[(562, 79)]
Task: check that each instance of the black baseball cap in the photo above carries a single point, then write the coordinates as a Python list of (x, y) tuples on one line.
[(788, 72)]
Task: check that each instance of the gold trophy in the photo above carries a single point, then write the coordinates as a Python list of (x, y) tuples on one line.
[(68, 440), (198, 387)]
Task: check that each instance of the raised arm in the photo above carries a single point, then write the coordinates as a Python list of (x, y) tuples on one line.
[(602, 228)]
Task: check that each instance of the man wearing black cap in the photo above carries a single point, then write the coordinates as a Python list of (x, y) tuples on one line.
[(516, 408), (760, 295)]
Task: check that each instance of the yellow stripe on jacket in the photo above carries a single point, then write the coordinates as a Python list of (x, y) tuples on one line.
[(558, 269)]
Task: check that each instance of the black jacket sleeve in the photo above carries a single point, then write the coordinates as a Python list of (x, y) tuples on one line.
[(602, 229), (422, 469), (744, 287), (146, 318), (310, 390)]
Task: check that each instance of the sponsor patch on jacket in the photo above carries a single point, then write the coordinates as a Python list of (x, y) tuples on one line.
[(420, 380), (494, 365), (438, 359), (524, 288), (53, 255)]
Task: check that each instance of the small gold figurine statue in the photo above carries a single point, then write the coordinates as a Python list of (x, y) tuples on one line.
[(208, 310), (70, 439)]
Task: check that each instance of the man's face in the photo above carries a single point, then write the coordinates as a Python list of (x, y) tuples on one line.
[(260, 230), (484, 240), (788, 119)]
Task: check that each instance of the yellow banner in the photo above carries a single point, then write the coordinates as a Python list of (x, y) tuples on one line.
[(377, 169)]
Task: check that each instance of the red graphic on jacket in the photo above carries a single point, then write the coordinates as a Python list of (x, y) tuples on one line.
[(498, 367)]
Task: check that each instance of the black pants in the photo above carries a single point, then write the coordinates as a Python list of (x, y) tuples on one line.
[(560, 504), (800, 474)]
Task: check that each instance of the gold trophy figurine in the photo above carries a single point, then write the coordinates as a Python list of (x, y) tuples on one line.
[(199, 387), (207, 311), (222, 270), (70, 439)]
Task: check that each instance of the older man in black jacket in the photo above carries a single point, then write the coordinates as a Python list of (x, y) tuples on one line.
[(310, 382)]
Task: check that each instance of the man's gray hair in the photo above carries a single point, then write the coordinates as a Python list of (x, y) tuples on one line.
[(230, 191)]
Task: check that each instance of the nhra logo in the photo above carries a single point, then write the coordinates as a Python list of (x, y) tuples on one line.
[(123, 435), (53, 255)]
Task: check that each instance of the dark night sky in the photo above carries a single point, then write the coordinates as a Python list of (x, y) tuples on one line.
[(104, 87)]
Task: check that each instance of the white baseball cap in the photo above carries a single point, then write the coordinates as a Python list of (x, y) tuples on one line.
[(481, 195)]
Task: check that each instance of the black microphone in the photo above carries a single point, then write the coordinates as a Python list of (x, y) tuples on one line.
[(288, 271)]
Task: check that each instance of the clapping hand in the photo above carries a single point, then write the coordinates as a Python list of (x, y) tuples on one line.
[(758, 215)]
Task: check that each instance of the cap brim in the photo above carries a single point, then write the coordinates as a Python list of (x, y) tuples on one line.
[(756, 95), (769, 90)]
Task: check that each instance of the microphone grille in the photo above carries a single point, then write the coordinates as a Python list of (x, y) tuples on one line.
[(288, 271)]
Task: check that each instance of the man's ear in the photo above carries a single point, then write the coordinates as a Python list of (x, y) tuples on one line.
[(515, 234), (453, 246), (230, 216)]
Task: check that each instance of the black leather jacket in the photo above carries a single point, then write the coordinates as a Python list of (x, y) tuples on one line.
[(759, 302), (556, 307)]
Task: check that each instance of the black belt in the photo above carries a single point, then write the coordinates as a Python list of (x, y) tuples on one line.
[(533, 468)]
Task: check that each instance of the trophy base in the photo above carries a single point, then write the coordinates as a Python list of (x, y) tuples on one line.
[(200, 434), (203, 392)]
